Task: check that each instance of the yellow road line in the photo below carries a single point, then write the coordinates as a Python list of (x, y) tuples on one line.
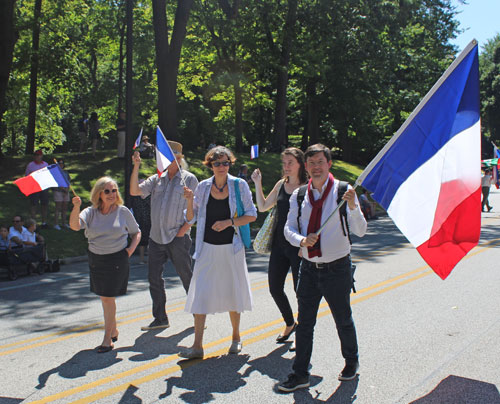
[(419, 273), (176, 307), (171, 358)]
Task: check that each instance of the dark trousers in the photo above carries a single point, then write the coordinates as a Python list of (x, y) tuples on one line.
[(283, 257), (334, 284), (178, 251), (486, 194)]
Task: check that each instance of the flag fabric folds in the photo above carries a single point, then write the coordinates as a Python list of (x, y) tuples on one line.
[(254, 151), (164, 154), (428, 176), (47, 177), (137, 141)]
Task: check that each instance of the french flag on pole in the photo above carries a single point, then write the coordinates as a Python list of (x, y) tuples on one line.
[(47, 177), (496, 155), (137, 141), (164, 153), (254, 151), (428, 176)]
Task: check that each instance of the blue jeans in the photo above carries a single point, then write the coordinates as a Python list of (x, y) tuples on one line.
[(333, 282)]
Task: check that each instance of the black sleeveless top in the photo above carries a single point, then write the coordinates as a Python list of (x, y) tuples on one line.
[(218, 209), (282, 208)]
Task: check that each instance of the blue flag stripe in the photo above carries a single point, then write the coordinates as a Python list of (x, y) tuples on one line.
[(56, 172), (453, 108)]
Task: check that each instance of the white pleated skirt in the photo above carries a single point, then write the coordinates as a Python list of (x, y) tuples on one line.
[(220, 281)]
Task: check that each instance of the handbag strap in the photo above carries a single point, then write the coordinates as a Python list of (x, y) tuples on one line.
[(239, 203)]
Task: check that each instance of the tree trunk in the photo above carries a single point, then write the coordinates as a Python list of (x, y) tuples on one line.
[(345, 142), (129, 100), (312, 128), (30, 134), (167, 61), (7, 41), (238, 116), (120, 68), (280, 132)]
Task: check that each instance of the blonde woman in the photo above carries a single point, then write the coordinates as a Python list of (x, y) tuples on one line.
[(220, 277), (107, 224)]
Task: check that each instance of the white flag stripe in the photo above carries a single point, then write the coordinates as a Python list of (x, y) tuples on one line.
[(420, 192), (44, 178)]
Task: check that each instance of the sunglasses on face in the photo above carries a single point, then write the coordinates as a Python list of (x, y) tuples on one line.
[(16, 221), (108, 191), (221, 163)]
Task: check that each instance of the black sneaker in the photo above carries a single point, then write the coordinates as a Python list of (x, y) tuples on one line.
[(293, 383), (349, 372), (156, 324)]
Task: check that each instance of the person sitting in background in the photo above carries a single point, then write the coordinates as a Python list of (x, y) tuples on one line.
[(145, 148), (4, 245), (61, 199), (28, 246)]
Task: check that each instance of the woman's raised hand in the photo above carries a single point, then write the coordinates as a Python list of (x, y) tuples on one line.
[(77, 202), (256, 176)]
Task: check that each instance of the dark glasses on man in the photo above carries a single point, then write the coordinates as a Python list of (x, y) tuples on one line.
[(108, 191), (16, 221), (221, 163)]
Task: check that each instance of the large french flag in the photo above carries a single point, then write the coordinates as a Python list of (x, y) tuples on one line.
[(164, 154), (428, 176), (47, 177)]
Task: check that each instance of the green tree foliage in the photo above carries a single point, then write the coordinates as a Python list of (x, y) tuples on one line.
[(353, 70), (489, 66)]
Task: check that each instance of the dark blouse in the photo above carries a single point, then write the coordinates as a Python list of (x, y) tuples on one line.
[(282, 208), (218, 209)]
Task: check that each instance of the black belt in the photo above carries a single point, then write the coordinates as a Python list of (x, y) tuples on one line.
[(327, 265)]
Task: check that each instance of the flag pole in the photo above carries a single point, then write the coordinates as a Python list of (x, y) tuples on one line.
[(388, 145), (431, 92)]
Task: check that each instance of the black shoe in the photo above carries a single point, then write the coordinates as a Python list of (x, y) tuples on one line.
[(156, 324), (283, 338), (104, 348), (349, 372), (293, 383), (489, 209)]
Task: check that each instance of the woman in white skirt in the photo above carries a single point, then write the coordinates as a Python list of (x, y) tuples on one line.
[(220, 277)]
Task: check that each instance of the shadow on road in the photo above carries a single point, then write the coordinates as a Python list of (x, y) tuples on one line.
[(150, 346), (79, 365), (213, 375), (456, 389)]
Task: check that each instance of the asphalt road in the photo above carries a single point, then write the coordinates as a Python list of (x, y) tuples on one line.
[(422, 340)]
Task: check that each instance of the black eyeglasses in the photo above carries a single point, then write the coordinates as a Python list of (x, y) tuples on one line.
[(16, 221), (221, 163), (107, 191)]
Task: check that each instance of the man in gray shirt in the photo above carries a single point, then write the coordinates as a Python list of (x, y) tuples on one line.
[(169, 236)]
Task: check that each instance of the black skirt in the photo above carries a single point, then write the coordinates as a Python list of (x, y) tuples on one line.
[(109, 273)]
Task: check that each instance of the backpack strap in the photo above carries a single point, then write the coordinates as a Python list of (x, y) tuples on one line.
[(300, 198), (343, 185)]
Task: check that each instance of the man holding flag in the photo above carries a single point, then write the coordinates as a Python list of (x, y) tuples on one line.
[(169, 236), (325, 270)]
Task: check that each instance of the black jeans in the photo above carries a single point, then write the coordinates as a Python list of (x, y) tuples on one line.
[(178, 250), (334, 284), (283, 256)]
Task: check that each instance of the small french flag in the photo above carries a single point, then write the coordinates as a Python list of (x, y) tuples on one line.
[(164, 154), (254, 151), (137, 141), (47, 177)]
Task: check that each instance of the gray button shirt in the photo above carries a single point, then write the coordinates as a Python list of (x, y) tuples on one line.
[(167, 203)]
